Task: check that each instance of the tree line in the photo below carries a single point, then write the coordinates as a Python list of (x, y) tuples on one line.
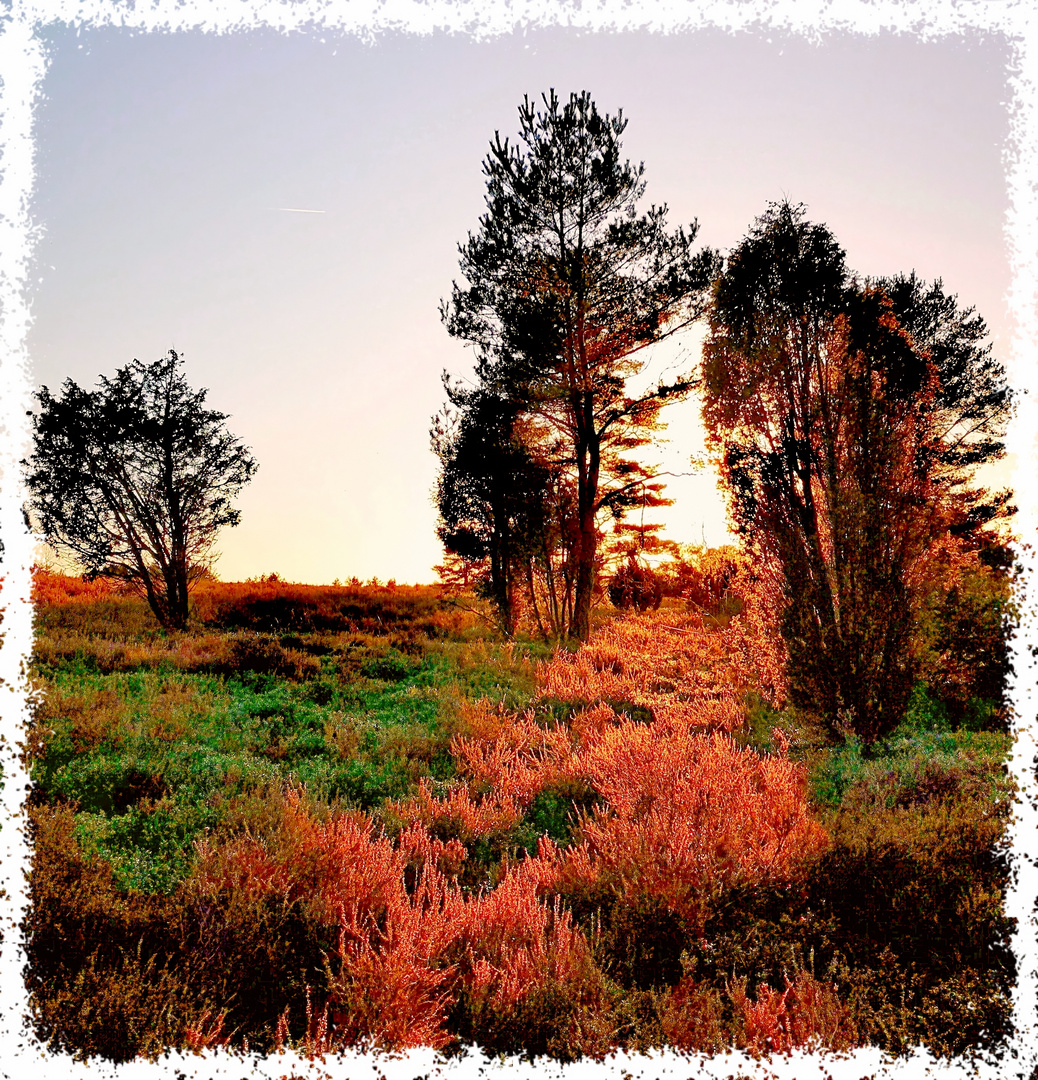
[(848, 416)]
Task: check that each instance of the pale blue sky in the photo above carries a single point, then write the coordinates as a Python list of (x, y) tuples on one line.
[(164, 161)]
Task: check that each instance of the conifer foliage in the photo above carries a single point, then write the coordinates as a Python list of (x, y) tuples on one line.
[(565, 283), (135, 479), (491, 494)]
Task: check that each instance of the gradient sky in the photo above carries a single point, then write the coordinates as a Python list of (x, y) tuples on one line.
[(164, 162)]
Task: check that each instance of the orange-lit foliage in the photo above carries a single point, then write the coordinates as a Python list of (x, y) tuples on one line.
[(403, 953), (691, 1017), (684, 811), (206, 1031), (385, 986), (51, 588), (273, 605), (458, 813), (411, 943), (392, 982), (844, 458), (516, 943), (685, 815), (806, 1015), (711, 577), (512, 756), (672, 664), (322, 864), (282, 605)]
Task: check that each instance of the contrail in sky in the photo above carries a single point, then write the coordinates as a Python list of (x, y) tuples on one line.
[(296, 210)]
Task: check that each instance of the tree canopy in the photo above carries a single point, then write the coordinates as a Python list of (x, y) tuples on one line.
[(491, 494), (135, 479), (847, 437), (565, 283), (973, 400)]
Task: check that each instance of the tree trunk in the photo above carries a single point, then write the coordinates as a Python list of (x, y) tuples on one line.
[(586, 550), (587, 543)]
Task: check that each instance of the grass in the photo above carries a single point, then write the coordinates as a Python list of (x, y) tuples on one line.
[(149, 754), (150, 748)]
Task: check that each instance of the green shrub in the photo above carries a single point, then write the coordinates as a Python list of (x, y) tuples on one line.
[(836, 772)]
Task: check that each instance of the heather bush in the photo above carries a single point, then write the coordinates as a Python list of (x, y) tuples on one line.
[(415, 834), (268, 656), (806, 1015), (530, 982), (728, 816), (100, 973), (665, 663), (691, 1017), (278, 606)]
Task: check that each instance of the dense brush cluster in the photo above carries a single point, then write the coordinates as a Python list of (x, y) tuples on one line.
[(331, 839)]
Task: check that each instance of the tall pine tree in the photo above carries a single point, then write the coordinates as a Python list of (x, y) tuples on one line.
[(565, 283)]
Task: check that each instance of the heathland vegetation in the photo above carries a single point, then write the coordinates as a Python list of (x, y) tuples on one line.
[(594, 789), (335, 816)]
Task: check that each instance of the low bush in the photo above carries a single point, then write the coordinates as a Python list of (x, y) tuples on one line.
[(267, 656), (707, 582), (333, 837), (634, 586), (279, 607)]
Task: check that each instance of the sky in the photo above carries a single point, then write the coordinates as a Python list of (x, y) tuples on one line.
[(169, 164)]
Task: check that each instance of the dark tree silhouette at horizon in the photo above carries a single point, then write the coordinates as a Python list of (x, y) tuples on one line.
[(565, 283), (135, 479)]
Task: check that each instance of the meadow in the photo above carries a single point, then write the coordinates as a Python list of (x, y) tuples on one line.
[(354, 815)]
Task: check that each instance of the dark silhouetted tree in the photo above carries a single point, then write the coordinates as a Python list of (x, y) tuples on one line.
[(841, 458), (565, 284), (135, 479), (491, 493)]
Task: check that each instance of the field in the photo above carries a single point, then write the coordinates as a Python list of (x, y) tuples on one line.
[(331, 816)]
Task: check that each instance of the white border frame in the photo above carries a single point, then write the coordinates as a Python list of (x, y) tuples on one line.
[(22, 67)]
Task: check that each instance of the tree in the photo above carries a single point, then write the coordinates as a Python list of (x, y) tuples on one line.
[(490, 494), (565, 284), (973, 401), (837, 441), (136, 478)]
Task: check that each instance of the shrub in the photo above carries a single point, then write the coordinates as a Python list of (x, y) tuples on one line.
[(807, 1015), (708, 581), (963, 633), (267, 656), (728, 815), (634, 586), (681, 672), (278, 607), (102, 976), (692, 1018)]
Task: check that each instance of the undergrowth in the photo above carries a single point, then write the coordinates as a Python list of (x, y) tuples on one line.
[(354, 817)]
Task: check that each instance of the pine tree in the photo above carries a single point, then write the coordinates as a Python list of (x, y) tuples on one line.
[(565, 285)]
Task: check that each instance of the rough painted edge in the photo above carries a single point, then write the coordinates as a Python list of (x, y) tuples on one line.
[(22, 66)]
